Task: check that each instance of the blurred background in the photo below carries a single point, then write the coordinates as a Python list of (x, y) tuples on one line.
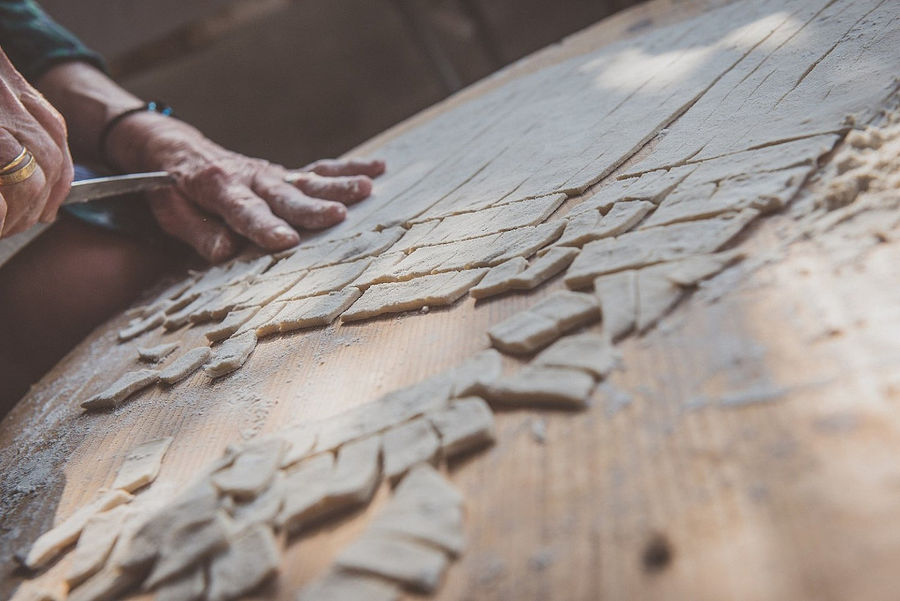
[(297, 80)]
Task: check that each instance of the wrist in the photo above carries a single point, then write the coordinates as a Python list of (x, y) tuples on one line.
[(150, 141)]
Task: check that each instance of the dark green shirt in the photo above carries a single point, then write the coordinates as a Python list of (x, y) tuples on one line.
[(34, 42)]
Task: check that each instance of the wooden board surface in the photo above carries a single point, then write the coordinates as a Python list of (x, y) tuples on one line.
[(748, 454)]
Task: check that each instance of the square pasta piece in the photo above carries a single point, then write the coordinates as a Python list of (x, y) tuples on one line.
[(546, 386), (326, 279), (314, 311), (395, 297)]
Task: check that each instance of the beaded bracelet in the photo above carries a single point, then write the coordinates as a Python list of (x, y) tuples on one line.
[(152, 106)]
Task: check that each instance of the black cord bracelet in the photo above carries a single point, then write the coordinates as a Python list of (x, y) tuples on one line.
[(152, 106)]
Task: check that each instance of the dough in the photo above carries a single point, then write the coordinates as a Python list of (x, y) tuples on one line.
[(185, 546), (656, 295), (121, 389), (432, 290), (175, 320), (526, 241), (326, 279), (393, 408), (95, 544), (426, 509), (187, 587), (618, 297), (482, 368), (623, 216), (356, 475), (417, 235), (450, 256), (414, 565), (262, 509), (466, 424), (591, 353), (379, 270), (136, 327), (157, 353), (580, 227), (251, 558), (263, 323), (549, 386), (233, 321), (496, 280), (347, 586), (196, 505), (218, 307), (301, 440), (232, 354), (568, 310), (266, 289), (315, 311), (185, 365), (654, 245), (543, 268), (523, 333), (767, 191), (689, 272), (407, 444), (252, 470), (141, 465), (528, 212), (306, 487), (49, 544)]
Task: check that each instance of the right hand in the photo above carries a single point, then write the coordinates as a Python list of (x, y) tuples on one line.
[(27, 119)]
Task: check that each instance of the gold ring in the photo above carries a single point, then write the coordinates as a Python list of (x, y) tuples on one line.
[(11, 166), (20, 174)]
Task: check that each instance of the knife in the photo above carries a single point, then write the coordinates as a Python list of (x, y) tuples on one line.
[(114, 185)]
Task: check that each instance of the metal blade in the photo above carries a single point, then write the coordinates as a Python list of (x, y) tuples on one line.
[(101, 187)]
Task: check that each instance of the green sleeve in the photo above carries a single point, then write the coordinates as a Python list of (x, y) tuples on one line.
[(34, 42)]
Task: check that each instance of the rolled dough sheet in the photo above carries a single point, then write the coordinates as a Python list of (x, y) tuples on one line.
[(263, 322), (262, 509), (187, 587), (481, 368), (496, 281), (326, 279), (141, 465), (121, 389), (183, 547), (542, 268), (339, 585), (138, 326), (523, 333)]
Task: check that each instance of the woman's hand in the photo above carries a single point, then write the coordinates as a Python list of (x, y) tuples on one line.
[(28, 120), (221, 196)]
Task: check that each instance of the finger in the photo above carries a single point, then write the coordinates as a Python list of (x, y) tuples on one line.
[(25, 200), (338, 167), (2, 214), (296, 208), (247, 214), (347, 189), (59, 176), (205, 233)]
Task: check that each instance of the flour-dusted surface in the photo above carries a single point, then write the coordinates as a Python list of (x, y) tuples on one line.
[(748, 387)]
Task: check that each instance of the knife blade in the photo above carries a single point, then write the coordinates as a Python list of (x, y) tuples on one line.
[(114, 185)]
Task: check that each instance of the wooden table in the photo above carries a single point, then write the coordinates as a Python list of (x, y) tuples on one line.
[(750, 453)]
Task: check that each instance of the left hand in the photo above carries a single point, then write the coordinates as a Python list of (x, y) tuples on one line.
[(221, 196)]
